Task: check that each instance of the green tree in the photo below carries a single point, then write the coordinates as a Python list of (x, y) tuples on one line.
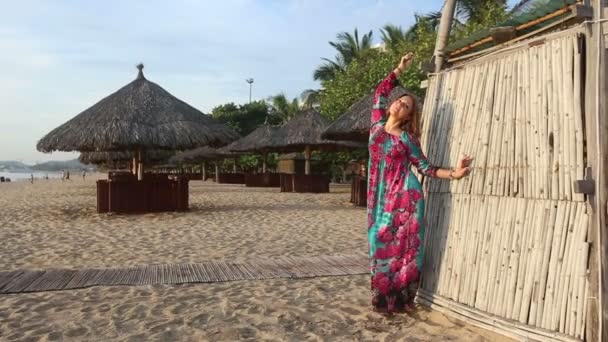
[(243, 118), (311, 98), (360, 78), (349, 47), (283, 109), (227, 114), (252, 116)]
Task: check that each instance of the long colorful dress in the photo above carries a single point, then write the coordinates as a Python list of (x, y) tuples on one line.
[(395, 207)]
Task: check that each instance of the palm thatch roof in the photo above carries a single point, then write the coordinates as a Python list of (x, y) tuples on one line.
[(139, 115), (202, 154), (305, 129), (108, 157), (354, 124), (259, 141)]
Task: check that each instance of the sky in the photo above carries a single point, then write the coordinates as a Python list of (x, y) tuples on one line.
[(60, 57)]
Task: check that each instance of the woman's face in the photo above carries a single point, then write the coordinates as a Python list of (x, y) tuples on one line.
[(402, 108)]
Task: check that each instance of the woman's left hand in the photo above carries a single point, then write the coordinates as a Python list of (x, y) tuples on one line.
[(463, 167), (464, 161)]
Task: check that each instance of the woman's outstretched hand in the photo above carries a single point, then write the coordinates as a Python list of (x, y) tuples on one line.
[(463, 167), (405, 62)]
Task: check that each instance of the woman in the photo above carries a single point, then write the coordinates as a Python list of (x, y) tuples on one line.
[(395, 198)]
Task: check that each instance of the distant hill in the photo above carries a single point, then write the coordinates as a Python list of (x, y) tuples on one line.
[(13, 166), (60, 165)]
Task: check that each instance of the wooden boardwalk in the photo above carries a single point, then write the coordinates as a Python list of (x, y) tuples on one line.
[(22, 281)]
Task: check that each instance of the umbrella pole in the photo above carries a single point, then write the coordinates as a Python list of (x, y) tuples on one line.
[(204, 171), (234, 166), (134, 165), (307, 162), (140, 165), (264, 162)]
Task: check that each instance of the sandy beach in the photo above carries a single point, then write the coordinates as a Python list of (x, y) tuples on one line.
[(53, 224)]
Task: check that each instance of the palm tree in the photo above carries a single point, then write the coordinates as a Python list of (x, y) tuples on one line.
[(466, 11), (393, 36), (282, 108), (311, 98), (349, 47), (429, 21), (476, 10)]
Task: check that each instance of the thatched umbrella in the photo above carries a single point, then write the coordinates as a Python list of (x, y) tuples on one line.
[(98, 158), (354, 124), (204, 154), (303, 133), (139, 116), (258, 141)]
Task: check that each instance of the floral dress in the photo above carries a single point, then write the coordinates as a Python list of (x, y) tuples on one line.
[(395, 208)]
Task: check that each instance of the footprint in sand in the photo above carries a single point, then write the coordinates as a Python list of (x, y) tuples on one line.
[(78, 332)]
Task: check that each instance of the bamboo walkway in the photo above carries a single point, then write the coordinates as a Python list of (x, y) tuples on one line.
[(22, 281)]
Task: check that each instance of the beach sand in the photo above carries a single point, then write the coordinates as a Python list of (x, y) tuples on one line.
[(53, 224)]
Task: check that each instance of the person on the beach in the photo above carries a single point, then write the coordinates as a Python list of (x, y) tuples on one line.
[(32, 178), (84, 174), (67, 175), (395, 203)]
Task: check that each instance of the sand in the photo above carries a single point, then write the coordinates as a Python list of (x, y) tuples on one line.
[(53, 224)]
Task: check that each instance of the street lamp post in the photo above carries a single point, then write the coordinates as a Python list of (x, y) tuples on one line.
[(250, 81)]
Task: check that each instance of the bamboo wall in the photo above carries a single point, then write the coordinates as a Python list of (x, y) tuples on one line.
[(510, 240)]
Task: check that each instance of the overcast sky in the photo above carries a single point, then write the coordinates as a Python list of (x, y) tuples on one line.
[(60, 57)]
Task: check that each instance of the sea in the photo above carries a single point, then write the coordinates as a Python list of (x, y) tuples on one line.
[(19, 176)]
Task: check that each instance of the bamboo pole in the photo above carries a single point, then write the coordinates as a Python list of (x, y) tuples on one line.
[(445, 232), (551, 109), (555, 114), (495, 133), (531, 268), (578, 116), (574, 253), (451, 247), (529, 179), (474, 140), (501, 150), (512, 164), (551, 213), (471, 269), (560, 112), (566, 270), (457, 251), (465, 239), (488, 98), (535, 122), (519, 130), (553, 319), (494, 269), (508, 227), (581, 281), (524, 261), (489, 236), (460, 123), (544, 75), (570, 147), (478, 259), (516, 251)]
